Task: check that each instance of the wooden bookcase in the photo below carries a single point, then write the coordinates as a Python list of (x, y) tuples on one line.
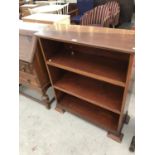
[(90, 70)]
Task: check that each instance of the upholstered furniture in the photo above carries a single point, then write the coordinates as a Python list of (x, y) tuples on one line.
[(114, 9), (99, 16), (126, 8), (83, 6), (102, 15)]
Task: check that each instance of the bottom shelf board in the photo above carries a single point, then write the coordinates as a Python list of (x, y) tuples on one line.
[(89, 112)]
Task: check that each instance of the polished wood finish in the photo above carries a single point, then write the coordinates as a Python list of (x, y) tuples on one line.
[(32, 69), (104, 38), (90, 70), (128, 81)]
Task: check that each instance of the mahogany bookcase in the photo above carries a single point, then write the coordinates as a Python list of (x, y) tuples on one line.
[(90, 70)]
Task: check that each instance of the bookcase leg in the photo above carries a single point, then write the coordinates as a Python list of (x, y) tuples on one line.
[(60, 109), (46, 101), (127, 118), (116, 137)]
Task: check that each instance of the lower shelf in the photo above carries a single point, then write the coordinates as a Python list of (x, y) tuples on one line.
[(100, 117), (98, 93)]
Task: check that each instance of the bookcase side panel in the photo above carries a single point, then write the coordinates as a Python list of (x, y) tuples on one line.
[(124, 103)]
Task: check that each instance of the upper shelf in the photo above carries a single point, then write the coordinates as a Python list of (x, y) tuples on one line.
[(106, 38), (96, 67)]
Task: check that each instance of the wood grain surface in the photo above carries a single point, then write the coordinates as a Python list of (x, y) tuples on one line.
[(107, 38)]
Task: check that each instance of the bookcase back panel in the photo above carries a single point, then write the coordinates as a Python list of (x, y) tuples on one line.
[(97, 52), (59, 95), (55, 73), (50, 47)]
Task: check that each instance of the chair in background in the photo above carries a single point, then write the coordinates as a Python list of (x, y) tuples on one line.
[(99, 16), (58, 2), (103, 15), (61, 2), (114, 9), (42, 2), (53, 2), (83, 6), (64, 10), (54, 9)]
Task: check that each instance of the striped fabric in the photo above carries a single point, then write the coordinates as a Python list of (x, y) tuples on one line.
[(114, 9), (103, 15), (99, 16)]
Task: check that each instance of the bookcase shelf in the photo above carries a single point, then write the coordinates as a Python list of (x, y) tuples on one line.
[(97, 67), (96, 92), (90, 71), (96, 115)]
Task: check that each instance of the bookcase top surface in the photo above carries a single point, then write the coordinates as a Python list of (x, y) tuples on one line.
[(107, 38)]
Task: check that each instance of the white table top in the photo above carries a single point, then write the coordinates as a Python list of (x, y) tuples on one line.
[(47, 8), (32, 27), (29, 5), (45, 18)]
